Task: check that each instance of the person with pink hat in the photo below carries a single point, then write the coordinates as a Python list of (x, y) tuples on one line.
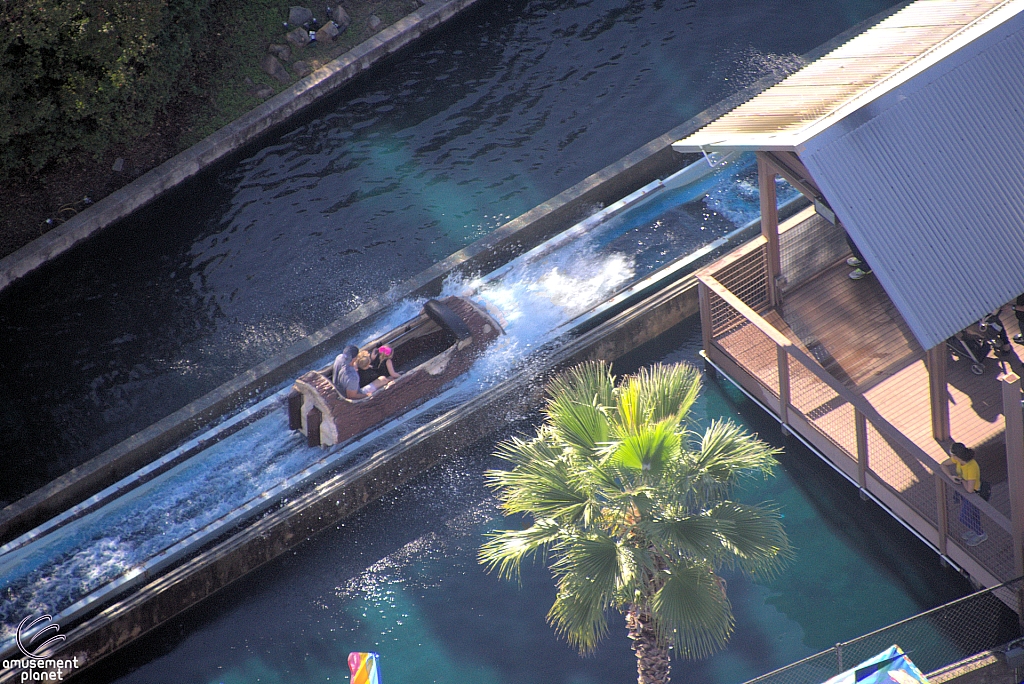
[(377, 368)]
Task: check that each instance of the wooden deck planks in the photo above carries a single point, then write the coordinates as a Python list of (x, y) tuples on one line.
[(854, 331)]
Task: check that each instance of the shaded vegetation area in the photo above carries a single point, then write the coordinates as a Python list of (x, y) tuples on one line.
[(93, 93)]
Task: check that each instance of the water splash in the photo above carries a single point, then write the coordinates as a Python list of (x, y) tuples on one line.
[(537, 295)]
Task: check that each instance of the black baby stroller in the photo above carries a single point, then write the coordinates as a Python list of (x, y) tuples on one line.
[(970, 344)]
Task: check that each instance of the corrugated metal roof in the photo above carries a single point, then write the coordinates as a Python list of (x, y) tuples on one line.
[(928, 180), (863, 69)]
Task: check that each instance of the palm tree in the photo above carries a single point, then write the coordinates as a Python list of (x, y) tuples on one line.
[(630, 506)]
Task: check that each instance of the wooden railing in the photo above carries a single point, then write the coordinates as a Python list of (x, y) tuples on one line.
[(844, 427)]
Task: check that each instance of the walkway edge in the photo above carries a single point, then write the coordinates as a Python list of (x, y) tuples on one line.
[(227, 140)]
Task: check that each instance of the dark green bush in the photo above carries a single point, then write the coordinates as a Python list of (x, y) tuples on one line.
[(82, 74)]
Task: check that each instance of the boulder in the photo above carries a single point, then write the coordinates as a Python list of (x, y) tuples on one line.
[(302, 69), (374, 21), (298, 37), (299, 16), (341, 18), (328, 32), (273, 67), (282, 52)]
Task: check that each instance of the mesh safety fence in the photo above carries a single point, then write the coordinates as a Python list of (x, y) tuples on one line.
[(933, 640), (903, 472), (978, 532), (745, 343), (808, 248)]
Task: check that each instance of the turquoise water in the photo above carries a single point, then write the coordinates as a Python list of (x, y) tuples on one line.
[(401, 579)]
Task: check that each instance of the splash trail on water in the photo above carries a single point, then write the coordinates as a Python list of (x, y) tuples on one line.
[(538, 295)]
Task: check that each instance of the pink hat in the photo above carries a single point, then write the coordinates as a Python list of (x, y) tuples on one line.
[(385, 350)]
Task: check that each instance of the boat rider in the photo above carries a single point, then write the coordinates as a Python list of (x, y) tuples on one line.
[(379, 368), (346, 376)]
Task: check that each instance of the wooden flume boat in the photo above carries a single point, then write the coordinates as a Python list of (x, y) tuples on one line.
[(430, 350)]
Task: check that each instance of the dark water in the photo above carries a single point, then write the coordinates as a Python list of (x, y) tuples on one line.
[(401, 579), (496, 112)]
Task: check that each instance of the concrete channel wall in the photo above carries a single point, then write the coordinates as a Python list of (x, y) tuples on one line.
[(344, 493), (653, 161)]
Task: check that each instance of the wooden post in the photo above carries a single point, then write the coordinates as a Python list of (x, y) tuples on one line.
[(769, 224), (313, 420), (294, 410), (1015, 464), (943, 515), (935, 360), (861, 429), (783, 384), (704, 303)]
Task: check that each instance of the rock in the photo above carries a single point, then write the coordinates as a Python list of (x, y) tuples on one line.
[(302, 69), (282, 52), (263, 92), (118, 165), (298, 37), (273, 67), (299, 16), (341, 18), (374, 21), (328, 32)]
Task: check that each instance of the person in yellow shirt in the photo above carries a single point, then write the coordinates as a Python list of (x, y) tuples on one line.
[(968, 473)]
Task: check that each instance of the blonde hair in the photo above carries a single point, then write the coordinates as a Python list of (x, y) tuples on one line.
[(363, 360)]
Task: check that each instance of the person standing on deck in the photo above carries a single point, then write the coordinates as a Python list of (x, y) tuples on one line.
[(968, 472), (1018, 311), (857, 261)]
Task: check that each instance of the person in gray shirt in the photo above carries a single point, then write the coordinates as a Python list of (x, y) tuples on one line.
[(345, 376)]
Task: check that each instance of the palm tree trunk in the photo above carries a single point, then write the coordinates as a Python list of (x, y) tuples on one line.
[(652, 656)]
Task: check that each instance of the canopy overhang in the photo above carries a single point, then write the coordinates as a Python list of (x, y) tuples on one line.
[(924, 168)]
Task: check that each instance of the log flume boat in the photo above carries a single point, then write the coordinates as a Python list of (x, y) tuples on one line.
[(430, 350)]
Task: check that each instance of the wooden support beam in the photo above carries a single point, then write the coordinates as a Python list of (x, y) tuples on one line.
[(935, 360), (1014, 415), (861, 429), (794, 172), (770, 224), (705, 314), (941, 511), (783, 359)]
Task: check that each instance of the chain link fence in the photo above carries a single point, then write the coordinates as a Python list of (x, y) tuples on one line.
[(934, 639)]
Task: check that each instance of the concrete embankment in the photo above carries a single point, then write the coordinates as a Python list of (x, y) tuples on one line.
[(229, 139), (323, 505)]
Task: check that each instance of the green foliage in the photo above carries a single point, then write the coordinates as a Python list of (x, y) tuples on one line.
[(630, 504), (76, 74)]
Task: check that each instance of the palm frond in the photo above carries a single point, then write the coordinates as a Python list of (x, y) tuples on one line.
[(540, 484), (695, 536), (667, 391), (630, 409), (754, 537), (579, 622), (726, 450), (581, 426), (506, 550), (648, 449), (590, 382), (591, 565), (692, 611)]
